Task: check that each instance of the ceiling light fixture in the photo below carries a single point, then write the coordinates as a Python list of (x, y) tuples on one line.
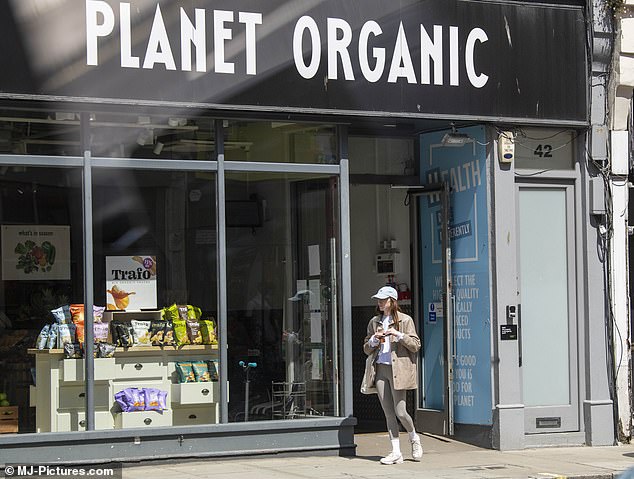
[(454, 138)]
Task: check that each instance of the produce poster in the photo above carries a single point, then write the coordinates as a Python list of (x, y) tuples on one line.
[(131, 282), (35, 252)]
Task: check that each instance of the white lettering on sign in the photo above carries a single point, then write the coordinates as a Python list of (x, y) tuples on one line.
[(378, 54), (462, 177), (303, 24), (438, 51), (340, 36), (101, 22)]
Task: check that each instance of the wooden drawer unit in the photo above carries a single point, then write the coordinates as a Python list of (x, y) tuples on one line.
[(76, 421), (138, 368), (9, 419), (73, 369), (74, 397), (207, 414), (59, 398), (196, 393), (126, 420)]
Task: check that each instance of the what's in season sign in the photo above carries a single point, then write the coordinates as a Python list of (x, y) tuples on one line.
[(35, 252)]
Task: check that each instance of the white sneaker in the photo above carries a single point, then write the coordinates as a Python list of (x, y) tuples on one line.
[(417, 450), (392, 458)]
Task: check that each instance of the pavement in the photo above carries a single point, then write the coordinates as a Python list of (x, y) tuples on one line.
[(443, 458)]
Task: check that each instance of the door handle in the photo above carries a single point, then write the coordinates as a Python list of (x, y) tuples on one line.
[(519, 334), (453, 326)]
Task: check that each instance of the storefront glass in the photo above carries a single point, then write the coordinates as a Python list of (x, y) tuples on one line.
[(154, 278), (42, 281), (36, 132), (283, 317), (155, 273), (152, 136), (280, 142)]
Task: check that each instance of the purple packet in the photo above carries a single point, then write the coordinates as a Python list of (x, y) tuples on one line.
[(130, 399), (152, 399), (100, 332), (122, 401), (162, 399)]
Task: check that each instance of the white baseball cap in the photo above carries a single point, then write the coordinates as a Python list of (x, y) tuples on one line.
[(386, 292)]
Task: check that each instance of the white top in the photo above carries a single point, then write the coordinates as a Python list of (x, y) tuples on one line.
[(385, 351)]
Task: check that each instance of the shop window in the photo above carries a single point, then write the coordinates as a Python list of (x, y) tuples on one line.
[(282, 264), (42, 276), (381, 156), (280, 142), (151, 136), (155, 273), (29, 132)]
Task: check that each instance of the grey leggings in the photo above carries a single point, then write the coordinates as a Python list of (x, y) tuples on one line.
[(392, 401)]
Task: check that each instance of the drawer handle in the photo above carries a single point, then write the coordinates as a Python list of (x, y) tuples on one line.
[(138, 366), (192, 416), (147, 421), (82, 395), (205, 392), (7, 413), (82, 423)]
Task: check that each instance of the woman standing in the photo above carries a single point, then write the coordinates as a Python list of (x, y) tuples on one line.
[(392, 339)]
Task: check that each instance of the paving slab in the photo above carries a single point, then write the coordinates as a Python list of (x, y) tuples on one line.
[(443, 459)]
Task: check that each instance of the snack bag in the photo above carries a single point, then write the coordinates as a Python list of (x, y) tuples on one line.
[(79, 332), (168, 337), (42, 338), (141, 332), (64, 334), (212, 365), (182, 312), (121, 334), (193, 332), (194, 312), (208, 331), (152, 399), (77, 316), (170, 313), (185, 372), (67, 313), (53, 334), (72, 351), (77, 312), (130, 399), (162, 399), (180, 332), (100, 332), (157, 332), (105, 350), (58, 315), (201, 371), (97, 313)]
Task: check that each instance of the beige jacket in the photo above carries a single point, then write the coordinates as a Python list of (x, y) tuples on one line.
[(404, 370)]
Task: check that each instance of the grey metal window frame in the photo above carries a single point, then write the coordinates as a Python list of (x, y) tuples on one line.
[(87, 162)]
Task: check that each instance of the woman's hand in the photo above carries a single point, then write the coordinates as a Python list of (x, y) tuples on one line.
[(391, 332)]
